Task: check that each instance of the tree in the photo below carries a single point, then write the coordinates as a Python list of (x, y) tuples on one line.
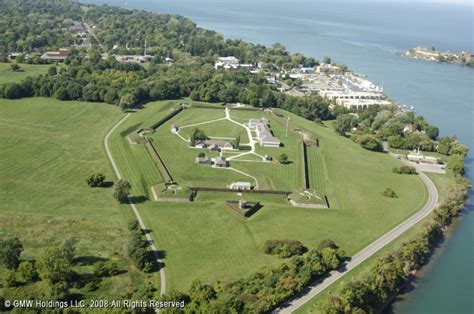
[(54, 266), (197, 135), (201, 155), (432, 132), (236, 142), (15, 67), (283, 159), (127, 101), (28, 271), (122, 190), (52, 71), (96, 180), (10, 251), (327, 60), (136, 249), (344, 123)]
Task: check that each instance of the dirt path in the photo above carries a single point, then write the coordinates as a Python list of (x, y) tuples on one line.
[(135, 209)]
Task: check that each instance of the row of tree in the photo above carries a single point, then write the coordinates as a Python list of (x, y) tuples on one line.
[(262, 291)]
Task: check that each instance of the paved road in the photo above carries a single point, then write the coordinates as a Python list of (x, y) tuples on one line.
[(367, 252), (135, 209)]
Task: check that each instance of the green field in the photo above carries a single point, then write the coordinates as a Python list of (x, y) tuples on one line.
[(48, 148), (7, 75), (206, 240)]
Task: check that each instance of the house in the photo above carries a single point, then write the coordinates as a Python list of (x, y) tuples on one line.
[(264, 135), (60, 55), (268, 158), (203, 161), (169, 61), (200, 144), (240, 186), (270, 141), (218, 145), (221, 162), (252, 124), (174, 128)]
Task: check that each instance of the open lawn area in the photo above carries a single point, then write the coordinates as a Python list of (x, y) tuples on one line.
[(205, 239), (7, 75), (48, 148)]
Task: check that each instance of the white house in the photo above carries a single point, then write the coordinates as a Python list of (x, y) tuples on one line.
[(240, 186)]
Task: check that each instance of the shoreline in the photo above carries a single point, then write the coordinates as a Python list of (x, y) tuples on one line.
[(394, 302)]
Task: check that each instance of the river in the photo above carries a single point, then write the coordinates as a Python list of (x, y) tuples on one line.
[(365, 35)]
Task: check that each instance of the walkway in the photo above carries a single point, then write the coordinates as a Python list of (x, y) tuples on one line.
[(367, 252), (135, 209)]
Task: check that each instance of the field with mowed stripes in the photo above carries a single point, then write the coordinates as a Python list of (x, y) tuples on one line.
[(206, 240), (47, 150)]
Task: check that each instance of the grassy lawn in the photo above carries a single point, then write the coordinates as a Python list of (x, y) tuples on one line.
[(442, 182), (7, 75), (48, 148), (206, 240), (221, 128)]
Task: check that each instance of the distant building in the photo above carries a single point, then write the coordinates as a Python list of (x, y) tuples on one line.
[(231, 63), (133, 58), (240, 186), (169, 61), (328, 69), (252, 124), (200, 144), (60, 55), (268, 157), (307, 70)]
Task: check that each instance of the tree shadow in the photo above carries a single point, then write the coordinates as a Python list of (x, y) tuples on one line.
[(139, 199), (107, 184), (88, 260)]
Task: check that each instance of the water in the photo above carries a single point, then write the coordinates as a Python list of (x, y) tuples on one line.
[(366, 35)]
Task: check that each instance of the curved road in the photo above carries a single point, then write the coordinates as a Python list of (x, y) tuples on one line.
[(135, 209), (367, 252)]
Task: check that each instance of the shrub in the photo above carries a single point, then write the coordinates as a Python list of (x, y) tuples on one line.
[(369, 142), (9, 278), (404, 170), (28, 271), (390, 193), (96, 180), (106, 269), (283, 159), (326, 243), (283, 248)]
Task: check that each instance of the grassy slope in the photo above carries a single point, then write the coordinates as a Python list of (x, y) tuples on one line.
[(7, 75), (441, 182), (48, 148), (206, 240)]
